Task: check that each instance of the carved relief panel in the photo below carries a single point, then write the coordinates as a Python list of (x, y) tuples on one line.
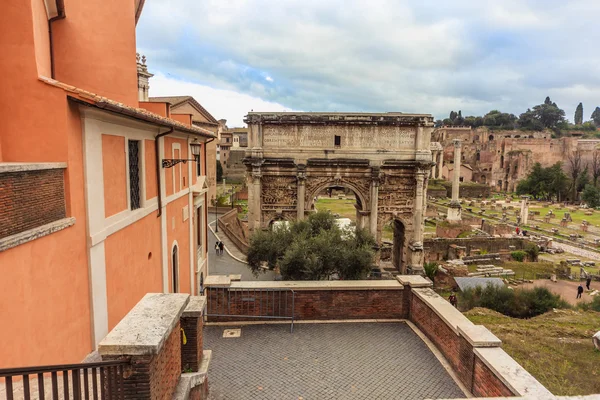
[(278, 190)]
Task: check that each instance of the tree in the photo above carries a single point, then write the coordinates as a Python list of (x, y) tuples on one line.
[(546, 115), (219, 171), (453, 115), (548, 101), (579, 114), (596, 116), (459, 120), (499, 120), (591, 195), (313, 249), (544, 182), (576, 167), (595, 167), (529, 121)]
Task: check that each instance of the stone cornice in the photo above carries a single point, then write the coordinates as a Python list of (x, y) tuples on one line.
[(287, 118)]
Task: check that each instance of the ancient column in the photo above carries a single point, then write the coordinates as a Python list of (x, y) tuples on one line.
[(524, 210), (454, 211), (301, 175), (440, 164), (254, 199), (374, 200), (416, 245)]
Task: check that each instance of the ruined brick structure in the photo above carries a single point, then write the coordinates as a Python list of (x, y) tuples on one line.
[(501, 159), (385, 159)]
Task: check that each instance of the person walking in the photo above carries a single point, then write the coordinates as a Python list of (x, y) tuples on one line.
[(453, 300), (221, 247), (579, 291), (217, 247), (587, 282), (517, 230)]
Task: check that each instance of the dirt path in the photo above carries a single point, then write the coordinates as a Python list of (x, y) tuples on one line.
[(577, 251), (566, 289)]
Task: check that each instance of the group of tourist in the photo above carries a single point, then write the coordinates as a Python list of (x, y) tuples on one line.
[(588, 281), (219, 247)]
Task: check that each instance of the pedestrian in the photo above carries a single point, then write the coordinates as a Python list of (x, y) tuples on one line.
[(453, 299), (587, 282), (579, 291), (221, 247), (517, 230), (217, 247)]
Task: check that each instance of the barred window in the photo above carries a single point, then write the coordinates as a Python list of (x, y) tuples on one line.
[(134, 174)]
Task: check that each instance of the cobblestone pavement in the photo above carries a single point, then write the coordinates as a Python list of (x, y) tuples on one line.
[(325, 361), (576, 250)]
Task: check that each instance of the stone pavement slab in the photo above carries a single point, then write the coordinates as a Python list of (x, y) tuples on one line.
[(325, 361)]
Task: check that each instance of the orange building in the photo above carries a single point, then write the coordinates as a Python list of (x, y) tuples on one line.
[(96, 209)]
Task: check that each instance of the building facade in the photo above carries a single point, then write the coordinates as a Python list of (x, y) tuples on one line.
[(95, 212)]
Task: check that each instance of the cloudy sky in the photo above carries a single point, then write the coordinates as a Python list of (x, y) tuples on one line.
[(425, 56)]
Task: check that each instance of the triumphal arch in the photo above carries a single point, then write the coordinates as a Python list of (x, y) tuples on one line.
[(384, 158)]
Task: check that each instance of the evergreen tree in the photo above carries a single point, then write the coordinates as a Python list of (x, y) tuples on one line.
[(453, 115), (596, 116), (548, 101), (579, 114)]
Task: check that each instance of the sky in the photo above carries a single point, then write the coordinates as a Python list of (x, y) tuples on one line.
[(413, 56)]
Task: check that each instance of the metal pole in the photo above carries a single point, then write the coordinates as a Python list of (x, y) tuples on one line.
[(216, 216)]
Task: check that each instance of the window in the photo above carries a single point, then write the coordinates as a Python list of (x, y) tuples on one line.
[(200, 230), (337, 141), (462, 179), (134, 174), (227, 140)]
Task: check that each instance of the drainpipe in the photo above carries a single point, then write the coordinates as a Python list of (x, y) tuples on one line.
[(158, 184), (51, 44)]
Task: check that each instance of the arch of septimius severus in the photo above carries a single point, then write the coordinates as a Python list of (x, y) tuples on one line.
[(384, 158)]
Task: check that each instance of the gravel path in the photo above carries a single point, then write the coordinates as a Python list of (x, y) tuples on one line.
[(577, 251)]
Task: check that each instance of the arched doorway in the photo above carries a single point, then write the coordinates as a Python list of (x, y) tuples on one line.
[(398, 256), (342, 198), (175, 269)]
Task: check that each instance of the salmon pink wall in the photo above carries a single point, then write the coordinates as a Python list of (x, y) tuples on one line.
[(183, 118), (150, 158), (115, 170), (161, 109), (176, 171), (41, 38), (178, 230), (94, 48), (133, 266)]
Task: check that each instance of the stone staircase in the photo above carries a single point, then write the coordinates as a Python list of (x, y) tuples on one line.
[(491, 270)]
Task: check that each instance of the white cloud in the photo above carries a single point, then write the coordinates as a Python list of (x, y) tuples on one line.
[(269, 79), (221, 103)]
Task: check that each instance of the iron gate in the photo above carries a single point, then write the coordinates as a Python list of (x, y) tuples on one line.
[(257, 303)]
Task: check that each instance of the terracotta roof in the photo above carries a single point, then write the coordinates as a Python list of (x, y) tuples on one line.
[(91, 99), (177, 100)]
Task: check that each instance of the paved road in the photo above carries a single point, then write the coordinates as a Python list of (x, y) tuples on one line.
[(225, 264), (576, 250), (325, 361)]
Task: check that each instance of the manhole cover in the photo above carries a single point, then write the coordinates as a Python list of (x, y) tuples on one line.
[(228, 333)]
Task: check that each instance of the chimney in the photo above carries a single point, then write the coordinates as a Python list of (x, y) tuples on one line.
[(143, 76)]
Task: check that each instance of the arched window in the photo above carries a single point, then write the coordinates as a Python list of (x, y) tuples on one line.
[(175, 267), (491, 137)]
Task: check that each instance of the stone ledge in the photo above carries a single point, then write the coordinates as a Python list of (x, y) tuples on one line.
[(446, 311), (414, 281), (217, 281), (190, 380), (514, 376), (146, 327), (479, 336), (22, 167), (195, 307), (320, 285), (35, 233)]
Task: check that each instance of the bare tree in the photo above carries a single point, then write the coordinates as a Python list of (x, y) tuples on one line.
[(575, 169), (596, 166)]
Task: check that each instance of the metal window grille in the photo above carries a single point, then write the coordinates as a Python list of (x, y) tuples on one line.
[(134, 174)]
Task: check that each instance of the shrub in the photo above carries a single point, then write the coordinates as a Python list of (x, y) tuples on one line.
[(518, 255), (594, 305), (431, 269), (532, 251), (520, 303)]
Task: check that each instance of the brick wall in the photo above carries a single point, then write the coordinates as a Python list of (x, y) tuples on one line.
[(191, 352), (437, 249), (30, 199), (308, 304), (486, 383)]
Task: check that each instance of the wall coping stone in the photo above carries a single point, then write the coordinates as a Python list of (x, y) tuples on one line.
[(217, 281), (414, 281), (144, 330), (20, 238), (514, 376), (190, 380), (320, 285), (195, 307), (7, 167), (479, 336), (446, 311)]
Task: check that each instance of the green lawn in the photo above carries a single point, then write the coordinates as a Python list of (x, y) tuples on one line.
[(343, 207), (556, 347)]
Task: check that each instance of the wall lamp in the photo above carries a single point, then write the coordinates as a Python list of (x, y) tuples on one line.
[(195, 146)]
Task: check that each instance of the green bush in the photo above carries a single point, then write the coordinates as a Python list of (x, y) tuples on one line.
[(594, 305), (518, 255), (532, 251), (519, 303), (431, 269)]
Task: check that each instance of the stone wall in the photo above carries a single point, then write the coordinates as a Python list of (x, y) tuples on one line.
[(31, 198), (236, 230), (468, 190), (448, 230), (438, 249)]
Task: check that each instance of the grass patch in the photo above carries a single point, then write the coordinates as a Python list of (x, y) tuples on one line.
[(556, 347), (343, 207), (529, 270)]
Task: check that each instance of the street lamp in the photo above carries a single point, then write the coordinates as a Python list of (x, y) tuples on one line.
[(195, 148), (216, 215)]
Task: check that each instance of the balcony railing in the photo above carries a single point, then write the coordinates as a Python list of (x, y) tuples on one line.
[(99, 380)]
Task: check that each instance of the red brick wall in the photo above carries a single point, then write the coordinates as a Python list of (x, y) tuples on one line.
[(309, 304), (486, 383), (191, 352), (30, 199)]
